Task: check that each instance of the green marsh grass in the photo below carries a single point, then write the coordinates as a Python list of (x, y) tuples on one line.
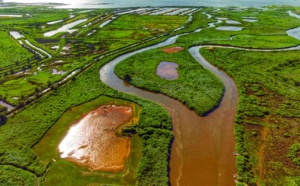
[(268, 112), (196, 87)]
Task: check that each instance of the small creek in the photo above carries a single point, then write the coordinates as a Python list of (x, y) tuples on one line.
[(8, 106), (39, 49)]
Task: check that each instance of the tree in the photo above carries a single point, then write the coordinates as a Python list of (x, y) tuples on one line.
[(127, 78), (3, 119)]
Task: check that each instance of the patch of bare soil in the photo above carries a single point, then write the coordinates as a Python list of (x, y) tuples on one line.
[(172, 50)]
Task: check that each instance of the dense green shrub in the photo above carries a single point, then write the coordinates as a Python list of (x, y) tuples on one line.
[(293, 153), (12, 176)]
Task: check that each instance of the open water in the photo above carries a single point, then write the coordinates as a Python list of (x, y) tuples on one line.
[(143, 3)]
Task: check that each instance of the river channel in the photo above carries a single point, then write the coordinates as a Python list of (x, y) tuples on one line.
[(202, 151)]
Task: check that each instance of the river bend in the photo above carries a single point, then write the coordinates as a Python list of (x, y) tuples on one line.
[(202, 151)]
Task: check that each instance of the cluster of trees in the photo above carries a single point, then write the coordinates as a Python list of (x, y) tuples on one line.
[(2, 119), (293, 153)]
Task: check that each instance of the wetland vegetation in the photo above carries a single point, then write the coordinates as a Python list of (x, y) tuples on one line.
[(268, 113), (53, 81), (195, 87)]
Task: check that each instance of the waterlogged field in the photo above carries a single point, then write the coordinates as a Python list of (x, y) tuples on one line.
[(269, 31), (27, 72), (129, 29), (53, 81)]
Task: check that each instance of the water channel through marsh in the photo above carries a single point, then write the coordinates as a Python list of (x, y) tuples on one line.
[(202, 151)]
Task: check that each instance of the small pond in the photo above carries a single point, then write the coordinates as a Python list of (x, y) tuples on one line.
[(65, 28), (233, 22), (295, 33), (229, 28), (250, 20), (16, 34), (167, 70), (92, 141), (54, 22), (7, 15)]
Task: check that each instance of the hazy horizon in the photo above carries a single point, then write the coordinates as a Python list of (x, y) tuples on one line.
[(142, 3)]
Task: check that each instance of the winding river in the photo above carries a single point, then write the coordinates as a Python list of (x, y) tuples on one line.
[(202, 151)]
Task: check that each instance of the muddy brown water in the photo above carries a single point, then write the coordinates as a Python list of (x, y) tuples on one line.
[(167, 70), (202, 151), (92, 141)]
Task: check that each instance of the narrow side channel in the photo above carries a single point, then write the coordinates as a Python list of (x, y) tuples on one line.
[(8, 106)]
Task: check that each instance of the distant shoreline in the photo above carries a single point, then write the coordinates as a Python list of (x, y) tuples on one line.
[(94, 4)]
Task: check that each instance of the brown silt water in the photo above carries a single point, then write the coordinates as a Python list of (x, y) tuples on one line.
[(92, 141), (202, 151)]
